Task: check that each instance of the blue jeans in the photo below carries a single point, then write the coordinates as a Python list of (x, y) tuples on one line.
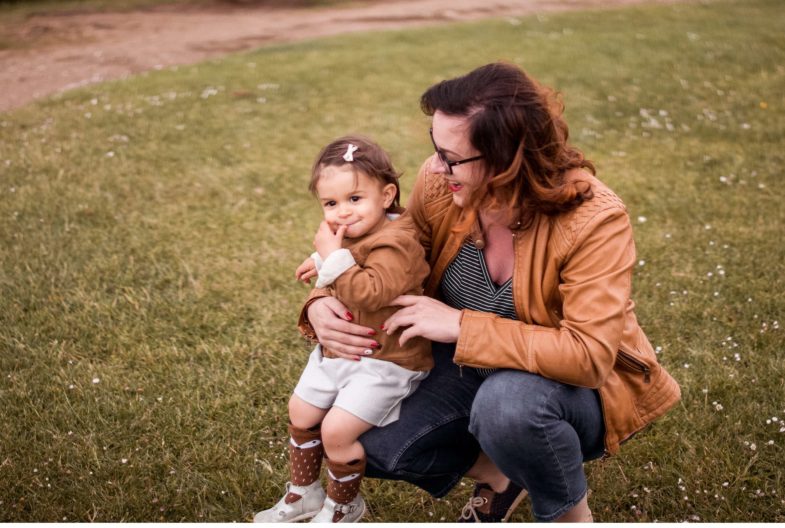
[(537, 431)]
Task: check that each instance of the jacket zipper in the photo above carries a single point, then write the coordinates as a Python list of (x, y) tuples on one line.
[(627, 359)]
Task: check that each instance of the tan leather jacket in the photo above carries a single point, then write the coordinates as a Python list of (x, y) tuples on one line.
[(571, 288)]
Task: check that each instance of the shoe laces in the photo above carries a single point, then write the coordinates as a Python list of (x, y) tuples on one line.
[(469, 510)]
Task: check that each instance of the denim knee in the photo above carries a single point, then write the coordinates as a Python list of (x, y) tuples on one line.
[(504, 410), (539, 432)]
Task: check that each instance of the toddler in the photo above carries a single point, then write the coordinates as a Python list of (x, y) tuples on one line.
[(366, 258)]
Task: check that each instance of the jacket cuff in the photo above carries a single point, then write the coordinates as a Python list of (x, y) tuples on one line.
[(333, 266), (462, 350), (303, 324), (317, 260)]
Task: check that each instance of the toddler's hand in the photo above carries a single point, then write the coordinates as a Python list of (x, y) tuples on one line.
[(326, 241), (306, 271)]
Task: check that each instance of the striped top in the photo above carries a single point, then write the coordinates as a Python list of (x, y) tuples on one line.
[(467, 284)]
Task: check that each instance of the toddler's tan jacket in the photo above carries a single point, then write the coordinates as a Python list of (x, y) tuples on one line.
[(389, 263)]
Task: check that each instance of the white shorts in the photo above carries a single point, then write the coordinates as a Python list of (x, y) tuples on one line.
[(370, 389)]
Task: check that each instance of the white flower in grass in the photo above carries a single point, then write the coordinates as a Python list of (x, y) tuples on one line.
[(209, 91), (96, 381), (642, 219)]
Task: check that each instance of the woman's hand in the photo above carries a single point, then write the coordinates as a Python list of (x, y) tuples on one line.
[(331, 321), (425, 317), (306, 271)]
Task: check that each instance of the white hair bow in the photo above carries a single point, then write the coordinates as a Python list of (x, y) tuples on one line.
[(350, 150)]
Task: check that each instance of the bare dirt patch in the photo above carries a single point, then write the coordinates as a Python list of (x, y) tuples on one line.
[(59, 52)]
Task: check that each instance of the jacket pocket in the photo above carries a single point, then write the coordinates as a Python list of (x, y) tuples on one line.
[(630, 363)]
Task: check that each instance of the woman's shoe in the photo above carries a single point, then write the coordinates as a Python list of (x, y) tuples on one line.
[(299, 503), (485, 505), (332, 512)]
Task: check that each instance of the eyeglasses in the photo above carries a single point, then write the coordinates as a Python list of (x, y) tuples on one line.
[(447, 163)]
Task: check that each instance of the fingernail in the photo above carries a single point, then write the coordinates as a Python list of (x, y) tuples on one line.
[(381, 327), (374, 344), (372, 332), (357, 358), (367, 351), (349, 316)]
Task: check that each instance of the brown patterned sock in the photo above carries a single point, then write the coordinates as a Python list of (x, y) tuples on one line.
[(344, 482), (305, 457)]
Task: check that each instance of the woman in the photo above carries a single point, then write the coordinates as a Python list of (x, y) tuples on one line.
[(540, 361)]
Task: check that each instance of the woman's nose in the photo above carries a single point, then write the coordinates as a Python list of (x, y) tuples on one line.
[(435, 164)]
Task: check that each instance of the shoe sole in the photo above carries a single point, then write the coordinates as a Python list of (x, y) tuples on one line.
[(301, 517), (359, 517)]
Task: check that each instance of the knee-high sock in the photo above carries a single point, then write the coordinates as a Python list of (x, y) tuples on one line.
[(344, 480), (305, 455)]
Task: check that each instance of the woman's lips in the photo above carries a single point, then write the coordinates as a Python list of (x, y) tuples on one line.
[(454, 187)]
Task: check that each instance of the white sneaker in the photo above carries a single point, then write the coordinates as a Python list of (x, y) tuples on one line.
[(352, 512), (309, 504)]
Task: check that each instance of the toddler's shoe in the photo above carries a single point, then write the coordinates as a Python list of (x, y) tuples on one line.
[(299, 503), (333, 512)]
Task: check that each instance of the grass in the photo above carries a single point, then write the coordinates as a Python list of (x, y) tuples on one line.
[(150, 229)]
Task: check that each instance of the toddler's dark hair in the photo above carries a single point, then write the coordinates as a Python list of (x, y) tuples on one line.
[(369, 158)]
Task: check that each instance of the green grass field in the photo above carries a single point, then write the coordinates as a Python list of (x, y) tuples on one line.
[(149, 230)]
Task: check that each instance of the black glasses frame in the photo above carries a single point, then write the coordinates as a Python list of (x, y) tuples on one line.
[(447, 163)]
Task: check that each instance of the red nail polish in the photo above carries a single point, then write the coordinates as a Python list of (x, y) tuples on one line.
[(372, 332), (349, 316), (357, 358), (381, 327), (374, 344)]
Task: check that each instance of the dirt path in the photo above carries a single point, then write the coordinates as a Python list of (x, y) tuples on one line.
[(71, 50)]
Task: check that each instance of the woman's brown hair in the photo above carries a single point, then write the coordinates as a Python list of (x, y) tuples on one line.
[(517, 126), (368, 158)]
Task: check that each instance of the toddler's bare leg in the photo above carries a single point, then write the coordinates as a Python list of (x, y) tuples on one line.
[(345, 455), (340, 433), (303, 415)]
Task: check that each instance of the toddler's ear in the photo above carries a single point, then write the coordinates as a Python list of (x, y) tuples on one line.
[(389, 191)]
